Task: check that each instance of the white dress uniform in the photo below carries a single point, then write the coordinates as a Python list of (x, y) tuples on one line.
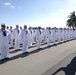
[(43, 36), (4, 44), (16, 36), (36, 31), (38, 38), (33, 36), (59, 34), (20, 36), (10, 39), (75, 33), (25, 39), (30, 37), (71, 34), (56, 34), (64, 34), (53, 34), (48, 36), (68, 34), (8, 34)]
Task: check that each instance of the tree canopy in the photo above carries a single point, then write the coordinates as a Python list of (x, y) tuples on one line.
[(71, 22)]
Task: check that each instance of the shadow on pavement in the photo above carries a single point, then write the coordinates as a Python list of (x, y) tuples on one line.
[(70, 69), (19, 56), (35, 51)]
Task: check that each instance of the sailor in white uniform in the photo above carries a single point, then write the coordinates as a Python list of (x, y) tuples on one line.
[(33, 36), (53, 34), (11, 37), (20, 35), (30, 36), (8, 33), (59, 34), (65, 37), (25, 39), (4, 43), (16, 36), (38, 38), (48, 34)]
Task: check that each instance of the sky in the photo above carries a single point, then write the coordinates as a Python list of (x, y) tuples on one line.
[(44, 13)]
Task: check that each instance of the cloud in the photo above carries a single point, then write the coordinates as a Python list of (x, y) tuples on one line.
[(9, 4), (12, 6)]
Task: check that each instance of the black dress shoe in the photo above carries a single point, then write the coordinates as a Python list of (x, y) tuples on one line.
[(11, 48), (25, 52), (54, 44), (2, 59), (48, 46), (7, 58), (39, 49), (59, 43), (16, 50)]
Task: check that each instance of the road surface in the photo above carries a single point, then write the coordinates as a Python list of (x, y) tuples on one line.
[(38, 62)]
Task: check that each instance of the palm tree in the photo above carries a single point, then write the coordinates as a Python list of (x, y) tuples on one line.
[(71, 22)]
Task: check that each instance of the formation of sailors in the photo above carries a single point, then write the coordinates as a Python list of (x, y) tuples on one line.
[(10, 37)]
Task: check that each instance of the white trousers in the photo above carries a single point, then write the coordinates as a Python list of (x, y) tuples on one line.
[(17, 44), (38, 43), (53, 39), (4, 48), (48, 41), (11, 43), (25, 46)]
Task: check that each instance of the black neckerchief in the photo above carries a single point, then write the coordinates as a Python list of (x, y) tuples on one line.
[(4, 32), (18, 30), (26, 31), (40, 31), (50, 31)]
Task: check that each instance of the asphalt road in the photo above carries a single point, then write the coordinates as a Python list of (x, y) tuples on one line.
[(38, 62), (65, 67)]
